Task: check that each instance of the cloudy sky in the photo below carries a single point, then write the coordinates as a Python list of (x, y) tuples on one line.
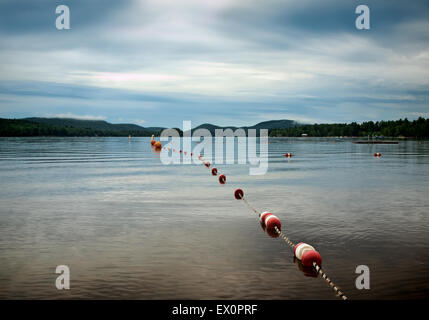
[(227, 62)]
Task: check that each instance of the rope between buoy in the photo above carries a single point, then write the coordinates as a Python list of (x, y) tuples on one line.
[(250, 206), (284, 237), (329, 281)]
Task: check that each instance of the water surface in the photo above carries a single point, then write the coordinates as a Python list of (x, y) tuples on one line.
[(130, 227)]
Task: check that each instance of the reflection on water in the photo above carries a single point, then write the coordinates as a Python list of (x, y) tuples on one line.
[(130, 227)]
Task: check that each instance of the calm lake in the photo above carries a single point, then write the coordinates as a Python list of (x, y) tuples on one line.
[(129, 227)]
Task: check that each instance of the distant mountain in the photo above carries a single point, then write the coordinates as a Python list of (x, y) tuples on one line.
[(276, 124), (270, 125), (154, 129), (89, 124), (70, 127), (75, 127), (212, 127)]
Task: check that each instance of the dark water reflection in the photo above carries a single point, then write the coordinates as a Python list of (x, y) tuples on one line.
[(130, 227)]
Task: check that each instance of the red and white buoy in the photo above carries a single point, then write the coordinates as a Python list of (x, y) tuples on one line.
[(270, 221), (377, 154), (207, 164), (263, 215), (311, 256), (271, 233), (238, 194), (222, 179), (288, 155), (214, 171), (307, 254)]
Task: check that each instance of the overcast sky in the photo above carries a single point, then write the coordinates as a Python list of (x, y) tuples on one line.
[(227, 62)]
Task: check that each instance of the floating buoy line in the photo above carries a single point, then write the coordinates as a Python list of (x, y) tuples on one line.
[(305, 253)]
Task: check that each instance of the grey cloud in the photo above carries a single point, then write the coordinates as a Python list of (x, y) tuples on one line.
[(274, 36), (30, 16), (56, 90), (282, 24)]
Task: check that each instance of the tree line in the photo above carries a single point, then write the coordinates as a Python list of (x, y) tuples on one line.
[(24, 128), (400, 128)]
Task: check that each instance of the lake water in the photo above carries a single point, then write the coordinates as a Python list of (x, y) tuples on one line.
[(130, 227)]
